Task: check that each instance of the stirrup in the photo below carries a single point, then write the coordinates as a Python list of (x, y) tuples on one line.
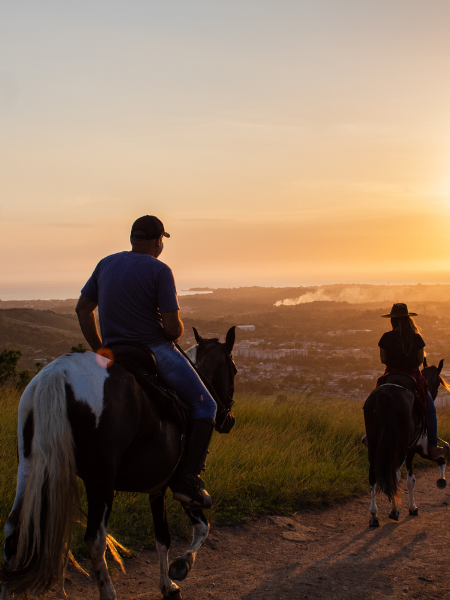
[(438, 450), (199, 500), (191, 492), (445, 444)]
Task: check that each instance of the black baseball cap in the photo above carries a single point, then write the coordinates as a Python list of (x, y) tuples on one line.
[(148, 228)]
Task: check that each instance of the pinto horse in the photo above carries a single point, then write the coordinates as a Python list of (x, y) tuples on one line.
[(394, 419), (85, 415)]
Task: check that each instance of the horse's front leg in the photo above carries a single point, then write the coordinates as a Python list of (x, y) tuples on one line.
[(162, 536), (181, 566), (441, 482), (6, 595), (100, 500)]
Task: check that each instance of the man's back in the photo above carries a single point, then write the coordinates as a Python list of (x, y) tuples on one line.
[(132, 290)]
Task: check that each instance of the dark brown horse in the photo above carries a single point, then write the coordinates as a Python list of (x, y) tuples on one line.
[(394, 419), (84, 415)]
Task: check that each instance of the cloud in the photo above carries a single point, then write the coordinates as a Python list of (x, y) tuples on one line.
[(202, 220), (85, 200), (65, 225)]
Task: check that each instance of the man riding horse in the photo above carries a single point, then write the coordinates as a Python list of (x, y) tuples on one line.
[(137, 302)]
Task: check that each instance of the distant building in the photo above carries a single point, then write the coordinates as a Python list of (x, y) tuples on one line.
[(247, 352)]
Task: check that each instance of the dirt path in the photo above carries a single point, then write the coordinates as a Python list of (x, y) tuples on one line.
[(315, 554)]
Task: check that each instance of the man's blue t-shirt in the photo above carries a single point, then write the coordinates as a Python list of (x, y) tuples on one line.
[(132, 290)]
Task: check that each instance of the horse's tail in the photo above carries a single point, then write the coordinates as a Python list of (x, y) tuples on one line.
[(51, 498), (385, 452)]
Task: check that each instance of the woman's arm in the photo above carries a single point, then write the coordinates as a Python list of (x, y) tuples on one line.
[(420, 356)]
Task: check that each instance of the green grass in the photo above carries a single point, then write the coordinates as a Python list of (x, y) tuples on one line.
[(280, 457)]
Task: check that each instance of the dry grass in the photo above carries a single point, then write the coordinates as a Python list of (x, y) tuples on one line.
[(281, 456)]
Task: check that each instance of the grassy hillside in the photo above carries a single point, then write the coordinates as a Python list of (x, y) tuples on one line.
[(32, 330), (280, 457)]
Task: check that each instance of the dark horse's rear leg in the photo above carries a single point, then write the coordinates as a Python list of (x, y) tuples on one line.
[(181, 566), (162, 536), (373, 522), (100, 499), (411, 482)]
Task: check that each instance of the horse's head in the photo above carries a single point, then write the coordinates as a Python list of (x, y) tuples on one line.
[(432, 376), (215, 362)]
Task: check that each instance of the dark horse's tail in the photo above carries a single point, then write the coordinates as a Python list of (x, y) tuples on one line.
[(382, 434)]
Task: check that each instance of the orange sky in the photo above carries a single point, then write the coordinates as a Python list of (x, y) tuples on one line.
[(280, 142)]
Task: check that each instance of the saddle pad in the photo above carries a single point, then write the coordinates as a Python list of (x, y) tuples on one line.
[(140, 361), (402, 379)]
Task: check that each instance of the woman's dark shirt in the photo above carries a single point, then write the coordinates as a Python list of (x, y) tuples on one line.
[(396, 357)]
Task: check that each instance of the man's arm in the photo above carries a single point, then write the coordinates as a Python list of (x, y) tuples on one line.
[(383, 355), (86, 317), (173, 325)]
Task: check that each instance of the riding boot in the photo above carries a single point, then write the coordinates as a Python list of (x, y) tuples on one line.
[(187, 487)]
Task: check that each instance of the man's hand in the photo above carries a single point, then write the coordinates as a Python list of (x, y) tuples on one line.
[(173, 325), (86, 317)]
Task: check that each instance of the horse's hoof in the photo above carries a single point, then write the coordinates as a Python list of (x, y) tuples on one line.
[(180, 568), (393, 516), (414, 512), (374, 522), (175, 595), (441, 483)]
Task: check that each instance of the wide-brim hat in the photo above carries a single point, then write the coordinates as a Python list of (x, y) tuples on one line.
[(399, 310)]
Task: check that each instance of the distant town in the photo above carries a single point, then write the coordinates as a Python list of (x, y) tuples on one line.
[(324, 347)]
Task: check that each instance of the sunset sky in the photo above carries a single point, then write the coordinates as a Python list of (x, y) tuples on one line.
[(281, 142)]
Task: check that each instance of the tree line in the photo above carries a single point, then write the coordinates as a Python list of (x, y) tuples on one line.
[(10, 376)]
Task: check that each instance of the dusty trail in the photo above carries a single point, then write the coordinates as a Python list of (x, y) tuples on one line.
[(315, 554)]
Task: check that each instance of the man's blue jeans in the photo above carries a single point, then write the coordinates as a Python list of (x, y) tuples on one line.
[(432, 422), (177, 373)]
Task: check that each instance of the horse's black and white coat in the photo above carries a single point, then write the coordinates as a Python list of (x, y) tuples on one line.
[(84, 415)]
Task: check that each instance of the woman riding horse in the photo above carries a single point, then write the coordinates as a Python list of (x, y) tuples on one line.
[(402, 351)]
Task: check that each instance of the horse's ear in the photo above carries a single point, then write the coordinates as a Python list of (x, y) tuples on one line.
[(441, 364), (198, 337), (425, 362), (229, 341)]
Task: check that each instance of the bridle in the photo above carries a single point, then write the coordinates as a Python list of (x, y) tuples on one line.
[(232, 371), (434, 385), (223, 409)]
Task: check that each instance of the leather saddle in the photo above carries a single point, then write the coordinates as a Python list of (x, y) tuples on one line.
[(140, 361), (403, 380)]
